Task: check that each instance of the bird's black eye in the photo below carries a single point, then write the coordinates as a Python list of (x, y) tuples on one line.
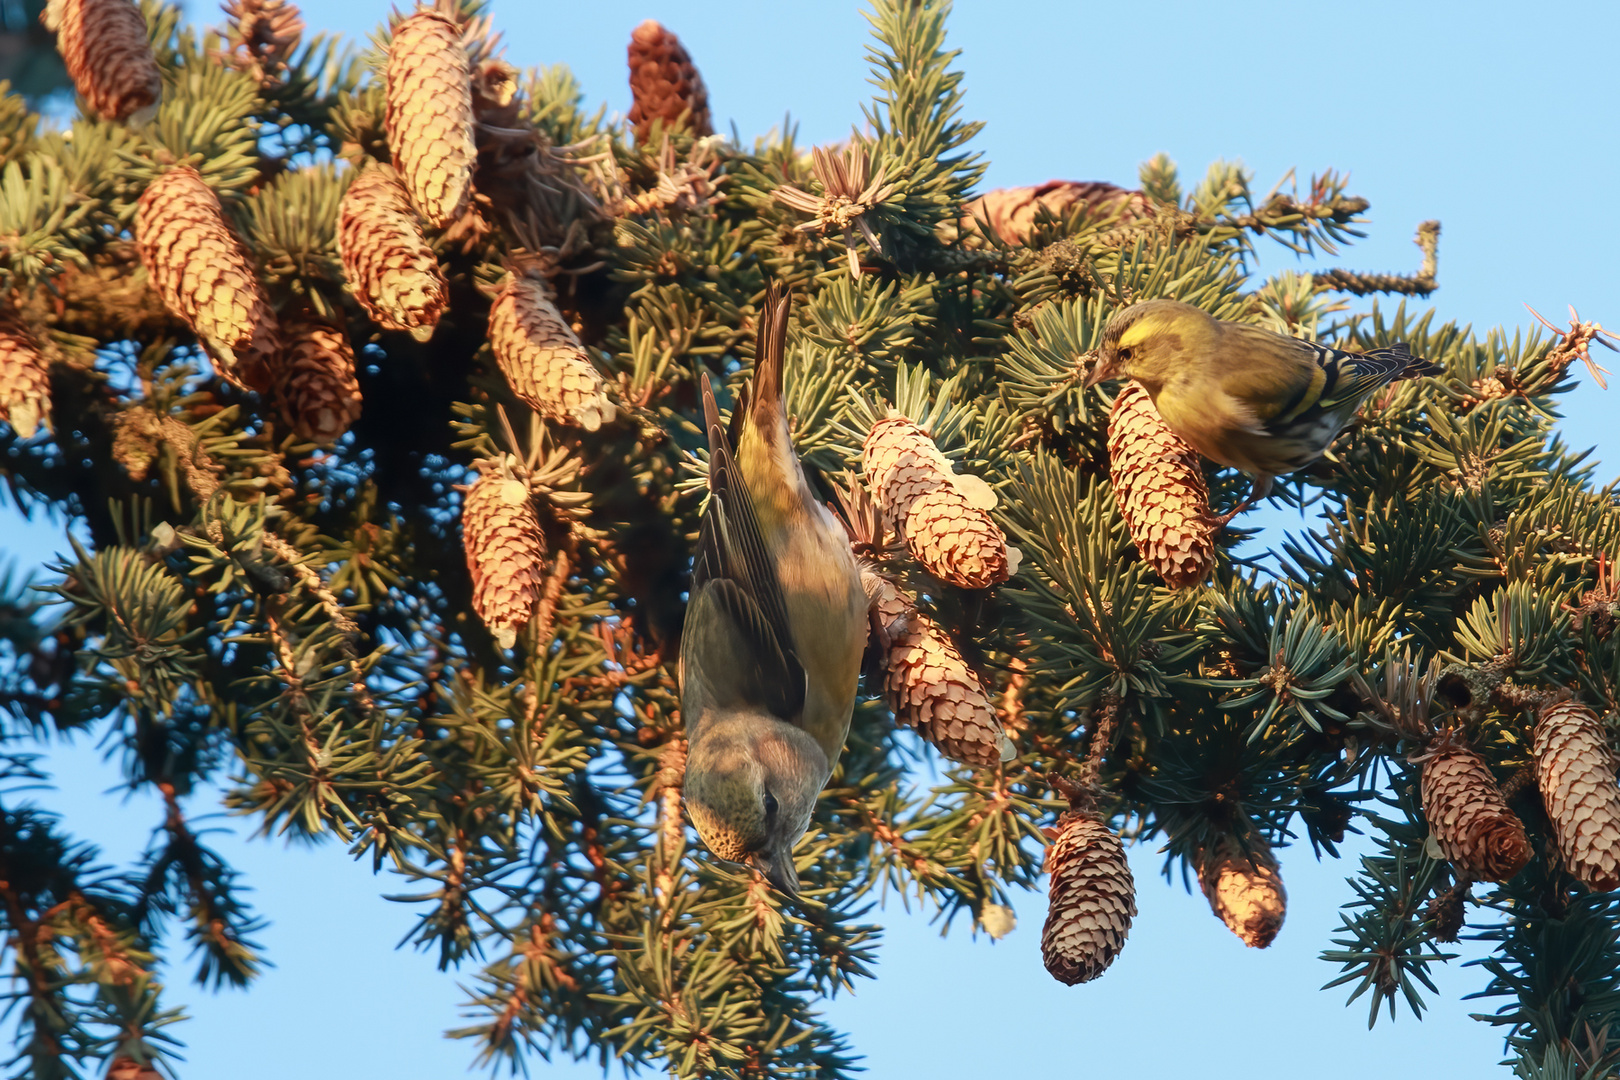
[(1125, 354), (770, 805)]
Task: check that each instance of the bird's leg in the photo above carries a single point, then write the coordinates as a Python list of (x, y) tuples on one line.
[(1259, 488)]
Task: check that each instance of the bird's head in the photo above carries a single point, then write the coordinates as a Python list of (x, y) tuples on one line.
[(1151, 341), (751, 785)]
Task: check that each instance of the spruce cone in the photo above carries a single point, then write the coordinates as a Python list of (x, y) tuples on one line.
[(664, 83), (506, 551), (1093, 899), (263, 35), (430, 115), (932, 689), (320, 396), (386, 258), (1159, 484), (25, 389), (104, 45), (1575, 771), (942, 515), (1480, 836), (542, 358), (205, 276), (1011, 211), (1245, 891)]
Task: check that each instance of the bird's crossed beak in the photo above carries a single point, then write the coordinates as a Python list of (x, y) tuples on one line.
[(1101, 370), (778, 870)]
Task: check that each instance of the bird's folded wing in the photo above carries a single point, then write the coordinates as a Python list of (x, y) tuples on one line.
[(731, 555), (1352, 376), (730, 647)]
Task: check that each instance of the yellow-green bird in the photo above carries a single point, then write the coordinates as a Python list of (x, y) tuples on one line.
[(775, 629), (1245, 397)]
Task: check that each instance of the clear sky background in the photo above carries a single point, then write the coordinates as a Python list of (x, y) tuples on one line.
[(1497, 123)]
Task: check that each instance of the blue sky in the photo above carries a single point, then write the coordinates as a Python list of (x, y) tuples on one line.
[(1479, 115)]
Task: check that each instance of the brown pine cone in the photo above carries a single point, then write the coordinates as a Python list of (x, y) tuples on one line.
[(1575, 771), (319, 394), (1480, 836), (1092, 899), (1159, 484), (263, 34), (506, 551), (943, 516), (386, 259), (932, 689), (1011, 211), (430, 115), (664, 83), (205, 275), (1245, 890), (104, 45), (542, 357), (25, 387)]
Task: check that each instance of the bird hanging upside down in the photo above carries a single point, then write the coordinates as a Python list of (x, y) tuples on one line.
[(1242, 396), (775, 630)]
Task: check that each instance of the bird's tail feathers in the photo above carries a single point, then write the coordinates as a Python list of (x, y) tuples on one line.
[(1408, 366), (770, 353)]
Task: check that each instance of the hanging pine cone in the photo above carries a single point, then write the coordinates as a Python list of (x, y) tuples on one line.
[(430, 115), (319, 394), (25, 388), (506, 551), (942, 515), (386, 258), (1159, 484), (205, 276), (932, 689), (1011, 212), (542, 357), (664, 83), (1245, 890), (1092, 899), (263, 35), (1575, 771), (1480, 836), (104, 45)]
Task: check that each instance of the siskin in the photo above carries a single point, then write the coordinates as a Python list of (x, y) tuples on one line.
[(774, 631), (1246, 397)]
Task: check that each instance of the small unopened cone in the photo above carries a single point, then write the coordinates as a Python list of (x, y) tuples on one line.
[(664, 83), (1245, 891)]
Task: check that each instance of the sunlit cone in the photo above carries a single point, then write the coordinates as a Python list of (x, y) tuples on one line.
[(664, 83), (1575, 772), (104, 46), (1480, 836), (430, 115), (205, 276), (932, 689), (127, 1068), (505, 549), (316, 383), (1245, 890), (1011, 212), (1159, 484), (542, 357), (386, 258), (1092, 899), (25, 388), (943, 516)]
